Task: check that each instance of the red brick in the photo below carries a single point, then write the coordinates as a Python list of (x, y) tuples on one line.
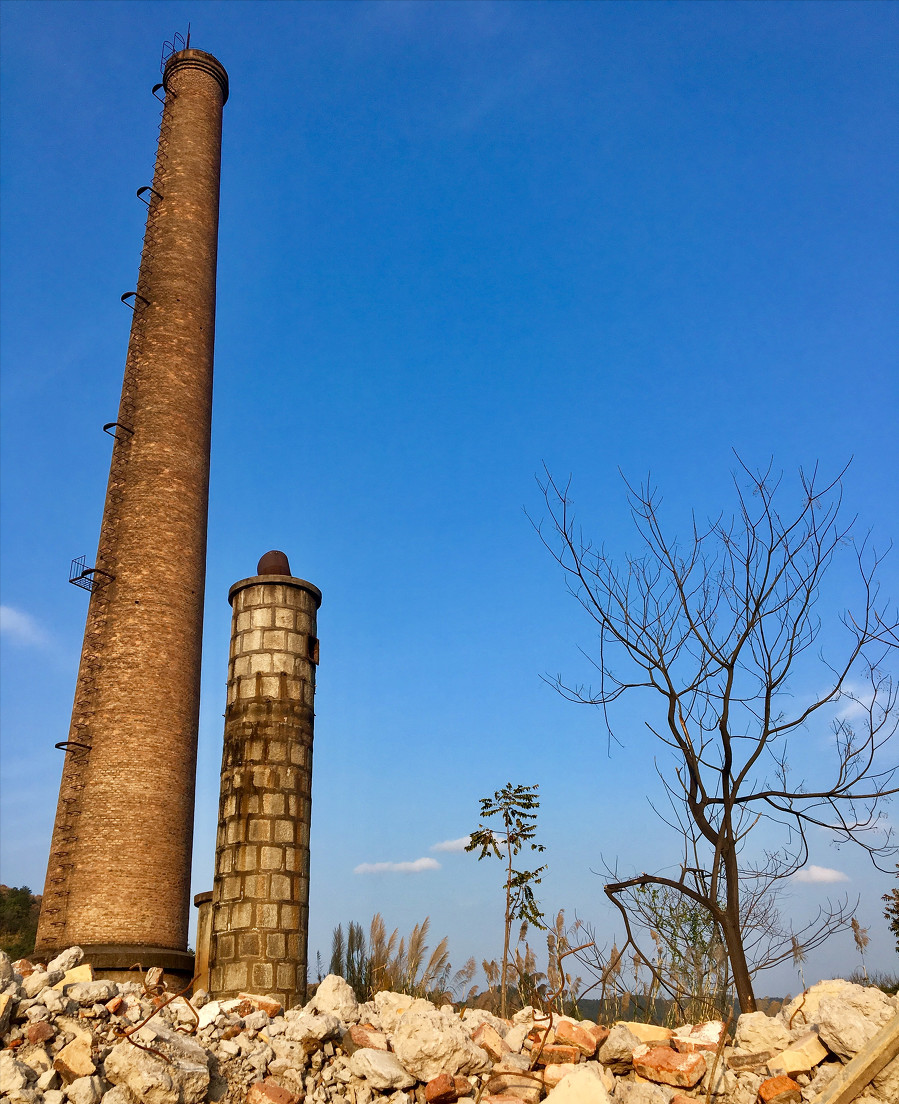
[(570, 1033), (39, 1032), (270, 1092), (780, 1090), (599, 1033), (668, 1067), (541, 1034), (463, 1086), (488, 1038), (365, 1035), (555, 1054), (441, 1090), (264, 1004)]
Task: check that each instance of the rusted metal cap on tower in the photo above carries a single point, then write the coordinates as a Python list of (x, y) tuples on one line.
[(273, 563), (274, 569), (196, 59)]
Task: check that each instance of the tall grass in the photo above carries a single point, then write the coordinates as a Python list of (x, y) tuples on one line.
[(392, 963)]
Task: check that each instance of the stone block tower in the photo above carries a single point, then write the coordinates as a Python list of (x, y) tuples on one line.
[(119, 871), (260, 897)]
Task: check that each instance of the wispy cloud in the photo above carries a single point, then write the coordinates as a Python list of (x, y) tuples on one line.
[(21, 627), (414, 867), (855, 701), (820, 874), (452, 845)]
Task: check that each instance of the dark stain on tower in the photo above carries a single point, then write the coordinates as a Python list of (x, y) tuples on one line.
[(119, 870), (260, 901)]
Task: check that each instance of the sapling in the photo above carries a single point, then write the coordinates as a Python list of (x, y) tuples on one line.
[(517, 807)]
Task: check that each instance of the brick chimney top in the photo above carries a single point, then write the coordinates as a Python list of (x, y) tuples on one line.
[(196, 59)]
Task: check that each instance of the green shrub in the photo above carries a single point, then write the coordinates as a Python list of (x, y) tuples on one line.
[(19, 912)]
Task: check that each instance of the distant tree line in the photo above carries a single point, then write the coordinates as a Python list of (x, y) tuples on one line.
[(19, 911)]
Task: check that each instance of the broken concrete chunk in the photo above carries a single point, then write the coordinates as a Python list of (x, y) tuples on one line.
[(640, 1092), (514, 1038), (805, 1010), (381, 1069), (335, 996), (74, 1060), (583, 1085), (92, 992), (801, 1056), (512, 1063), (757, 1032), (554, 1073), (65, 960), (305, 1028), (391, 1007), (86, 1090), (35, 982), (13, 1074), (648, 1033), (84, 972), (429, 1044), (520, 1084), (7, 1003), (616, 1051), (703, 1036), (181, 1077), (847, 1021)]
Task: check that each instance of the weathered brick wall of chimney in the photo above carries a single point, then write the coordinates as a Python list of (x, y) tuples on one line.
[(260, 904), (119, 873)]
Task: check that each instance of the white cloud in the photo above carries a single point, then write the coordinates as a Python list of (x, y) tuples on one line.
[(855, 701), (452, 845), (414, 867), (820, 874), (21, 627)]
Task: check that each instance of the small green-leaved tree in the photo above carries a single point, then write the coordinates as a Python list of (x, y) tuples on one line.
[(517, 807), (891, 912)]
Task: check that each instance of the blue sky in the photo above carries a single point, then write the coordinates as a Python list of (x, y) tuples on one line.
[(458, 241)]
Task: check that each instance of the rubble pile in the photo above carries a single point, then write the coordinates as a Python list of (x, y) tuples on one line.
[(68, 1037)]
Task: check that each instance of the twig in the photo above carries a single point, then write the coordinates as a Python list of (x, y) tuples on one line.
[(149, 991), (719, 1050)]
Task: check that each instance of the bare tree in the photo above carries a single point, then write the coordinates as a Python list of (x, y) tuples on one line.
[(718, 631)]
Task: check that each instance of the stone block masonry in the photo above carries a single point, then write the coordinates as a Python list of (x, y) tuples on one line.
[(260, 902)]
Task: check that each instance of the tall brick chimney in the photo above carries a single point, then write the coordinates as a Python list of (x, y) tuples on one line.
[(260, 898), (119, 872)]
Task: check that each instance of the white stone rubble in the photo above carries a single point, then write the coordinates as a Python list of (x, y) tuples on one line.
[(69, 1045)]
